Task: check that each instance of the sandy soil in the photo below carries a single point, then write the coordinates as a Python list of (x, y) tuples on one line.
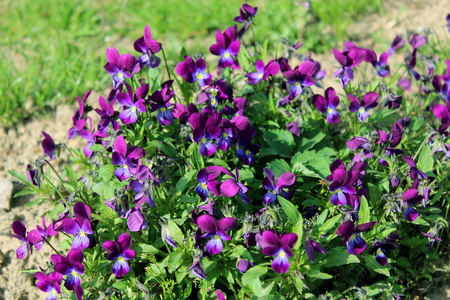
[(21, 145)]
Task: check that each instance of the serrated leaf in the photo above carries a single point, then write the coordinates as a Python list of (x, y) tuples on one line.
[(338, 257), (282, 141), (364, 211), (175, 232), (278, 167), (290, 209), (253, 274), (142, 248), (182, 183), (330, 223), (372, 264), (174, 260), (298, 229), (309, 139)]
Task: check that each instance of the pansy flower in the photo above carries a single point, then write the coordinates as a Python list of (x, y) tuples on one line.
[(275, 186), (143, 187), (244, 265), (48, 145), (20, 233), (127, 159), (245, 150), (380, 66), (397, 43), (161, 103), (311, 247), (148, 47), (368, 101), (193, 71), (328, 105), (355, 243), (207, 182), (106, 113), (227, 47), (350, 57), (411, 197), (49, 284), (216, 231), (133, 105), (120, 252), (80, 226), (71, 265), (37, 236), (231, 186), (280, 247), (197, 270), (380, 249), (300, 77), (206, 129), (342, 185), (262, 72), (120, 66), (415, 173)]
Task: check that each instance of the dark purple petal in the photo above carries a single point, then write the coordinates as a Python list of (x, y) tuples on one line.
[(320, 103), (226, 224), (111, 247), (214, 245), (280, 263), (209, 224), (136, 220), (125, 241), (120, 267), (346, 230), (229, 188), (356, 245)]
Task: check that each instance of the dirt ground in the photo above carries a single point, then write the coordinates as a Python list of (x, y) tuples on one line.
[(21, 145)]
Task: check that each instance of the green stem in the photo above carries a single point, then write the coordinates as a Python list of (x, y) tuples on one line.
[(54, 187), (165, 62), (48, 243), (50, 165)]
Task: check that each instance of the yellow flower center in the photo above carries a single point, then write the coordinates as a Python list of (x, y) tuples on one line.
[(203, 140), (213, 102), (225, 134), (203, 185), (199, 76), (54, 292), (163, 109), (217, 237), (274, 192), (226, 54), (282, 254), (133, 109), (120, 259), (74, 273), (120, 75), (247, 152), (361, 109), (338, 191), (297, 84), (353, 236), (125, 166), (379, 251), (260, 76), (82, 233), (329, 110)]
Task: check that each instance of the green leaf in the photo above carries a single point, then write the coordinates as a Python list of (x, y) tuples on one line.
[(314, 273), (338, 257), (120, 285), (142, 248), (290, 209), (246, 175), (298, 229), (244, 58), (364, 211), (311, 162), (329, 224), (253, 274), (175, 260), (298, 284), (97, 147), (322, 217), (264, 50), (309, 139), (278, 167), (426, 160), (175, 232), (372, 264), (182, 183), (282, 141), (167, 148), (374, 193)]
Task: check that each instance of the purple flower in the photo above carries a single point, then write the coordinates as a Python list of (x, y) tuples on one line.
[(20, 233), (48, 145), (227, 47), (148, 47), (411, 197), (350, 57), (161, 103), (417, 41), (275, 187), (328, 105), (106, 115), (206, 178), (80, 226), (245, 150), (396, 44), (368, 101), (246, 14), (36, 236), (405, 84), (120, 66), (342, 185), (415, 173), (49, 284), (300, 77), (127, 159), (71, 265), (381, 66), (216, 231), (432, 237), (311, 247), (244, 265), (272, 245), (144, 190), (294, 128), (355, 243), (135, 220), (120, 252), (262, 72), (193, 71), (205, 131), (33, 176), (129, 115), (197, 270), (231, 186), (380, 248), (447, 18)]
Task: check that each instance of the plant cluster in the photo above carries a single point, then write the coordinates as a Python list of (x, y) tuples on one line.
[(248, 183)]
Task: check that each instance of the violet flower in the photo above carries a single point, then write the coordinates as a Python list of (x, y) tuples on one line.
[(415, 173), (350, 57), (80, 228), (144, 190), (276, 186), (262, 72), (148, 47), (20, 233), (272, 245), (411, 197), (37, 236), (294, 128), (342, 185), (246, 14), (216, 93), (127, 158), (120, 252), (227, 47), (48, 145), (300, 77), (207, 182), (417, 41), (33, 176), (355, 243), (328, 105), (368, 101), (197, 270), (245, 150), (161, 103), (135, 220), (193, 71), (129, 115), (106, 114), (311, 247), (432, 237), (71, 265), (380, 248), (120, 66), (381, 66), (231, 186), (49, 284), (396, 44), (244, 265), (216, 230), (205, 131)]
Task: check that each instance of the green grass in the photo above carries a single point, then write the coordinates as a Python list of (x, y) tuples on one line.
[(55, 50)]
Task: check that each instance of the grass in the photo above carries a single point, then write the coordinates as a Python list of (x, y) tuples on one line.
[(54, 50)]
